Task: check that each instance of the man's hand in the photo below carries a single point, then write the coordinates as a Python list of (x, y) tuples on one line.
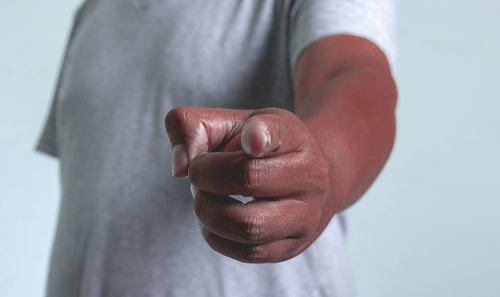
[(267, 154), (303, 167)]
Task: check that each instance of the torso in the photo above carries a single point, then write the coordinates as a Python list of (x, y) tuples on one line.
[(126, 226)]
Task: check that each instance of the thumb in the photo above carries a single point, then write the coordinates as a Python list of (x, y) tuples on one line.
[(272, 131), (196, 130), (259, 136)]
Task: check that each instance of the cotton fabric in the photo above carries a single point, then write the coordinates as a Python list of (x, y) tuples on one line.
[(126, 226)]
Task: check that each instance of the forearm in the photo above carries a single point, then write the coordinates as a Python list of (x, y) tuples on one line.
[(351, 116)]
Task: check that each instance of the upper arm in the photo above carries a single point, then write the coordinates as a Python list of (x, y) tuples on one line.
[(330, 36), (334, 55)]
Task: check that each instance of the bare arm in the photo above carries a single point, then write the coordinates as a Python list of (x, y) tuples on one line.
[(346, 96)]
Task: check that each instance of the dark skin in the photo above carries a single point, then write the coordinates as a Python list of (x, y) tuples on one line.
[(301, 167)]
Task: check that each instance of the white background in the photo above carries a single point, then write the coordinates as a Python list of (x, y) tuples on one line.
[(428, 227)]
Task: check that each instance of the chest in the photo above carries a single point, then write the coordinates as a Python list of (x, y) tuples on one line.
[(193, 52)]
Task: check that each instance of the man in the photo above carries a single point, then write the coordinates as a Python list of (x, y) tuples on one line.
[(298, 113)]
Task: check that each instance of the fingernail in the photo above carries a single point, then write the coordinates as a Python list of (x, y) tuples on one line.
[(193, 189), (179, 159), (256, 139)]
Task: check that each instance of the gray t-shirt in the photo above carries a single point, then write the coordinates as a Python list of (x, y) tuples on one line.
[(126, 226)]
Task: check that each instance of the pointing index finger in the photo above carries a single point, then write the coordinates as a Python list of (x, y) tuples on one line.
[(195, 130)]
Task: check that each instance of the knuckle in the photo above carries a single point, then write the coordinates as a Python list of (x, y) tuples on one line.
[(194, 172), (319, 179), (316, 216), (198, 209), (208, 237), (248, 175), (323, 175), (254, 254), (252, 228)]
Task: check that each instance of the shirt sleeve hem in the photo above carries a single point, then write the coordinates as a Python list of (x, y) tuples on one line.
[(47, 147), (302, 46)]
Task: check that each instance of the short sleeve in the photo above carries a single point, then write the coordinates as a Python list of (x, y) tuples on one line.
[(311, 20), (47, 142)]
